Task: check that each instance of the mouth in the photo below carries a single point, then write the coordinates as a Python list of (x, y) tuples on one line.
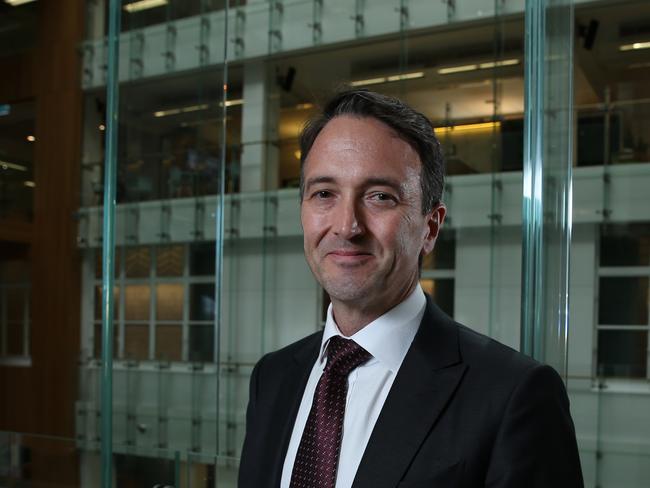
[(344, 256)]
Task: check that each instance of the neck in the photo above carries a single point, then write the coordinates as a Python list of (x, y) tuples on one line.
[(350, 318)]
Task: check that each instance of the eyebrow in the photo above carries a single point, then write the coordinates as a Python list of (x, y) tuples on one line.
[(374, 181)]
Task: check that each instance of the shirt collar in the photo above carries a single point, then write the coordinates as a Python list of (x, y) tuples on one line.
[(388, 337)]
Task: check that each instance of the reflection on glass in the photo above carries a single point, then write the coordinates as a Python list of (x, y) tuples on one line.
[(622, 353), (201, 343), (136, 341), (202, 301), (625, 245), (169, 301), (17, 140), (442, 292), (169, 342), (623, 300), (136, 302), (98, 262), (202, 259), (137, 261), (169, 260), (97, 342), (98, 302)]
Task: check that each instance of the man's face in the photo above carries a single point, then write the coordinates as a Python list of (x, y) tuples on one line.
[(362, 213)]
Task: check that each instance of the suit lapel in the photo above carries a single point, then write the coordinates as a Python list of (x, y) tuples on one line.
[(286, 409), (426, 381)]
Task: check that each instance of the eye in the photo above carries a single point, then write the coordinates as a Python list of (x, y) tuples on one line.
[(322, 194), (381, 196)]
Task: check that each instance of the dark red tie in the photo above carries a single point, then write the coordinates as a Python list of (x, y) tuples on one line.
[(318, 453)]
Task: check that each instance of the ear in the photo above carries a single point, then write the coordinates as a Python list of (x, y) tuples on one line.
[(434, 220)]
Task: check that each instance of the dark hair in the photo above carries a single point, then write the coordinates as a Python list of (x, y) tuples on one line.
[(410, 125)]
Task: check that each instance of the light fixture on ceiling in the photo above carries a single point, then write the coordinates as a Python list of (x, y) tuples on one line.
[(476, 66), (194, 108), (388, 79), (15, 3), (634, 46), (7, 165), (144, 5), (102, 127), (30, 138), (29, 184), (468, 127)]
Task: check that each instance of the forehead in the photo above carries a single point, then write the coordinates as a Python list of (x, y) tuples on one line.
[(361, 146)]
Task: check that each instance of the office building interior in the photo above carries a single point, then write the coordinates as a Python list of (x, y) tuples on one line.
[(209, 272)]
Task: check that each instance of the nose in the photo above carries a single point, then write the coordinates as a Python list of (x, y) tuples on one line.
[(348, 221)]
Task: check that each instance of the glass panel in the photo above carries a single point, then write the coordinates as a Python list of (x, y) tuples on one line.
[(97, 340), (169, 301), (136, 302), (17, 141), (136, 341), (201, 344), (202, 301), (137, 262), (625, 245), (170, 260), (169, 342), (623, 301), (98, 263), (622, 353), (202, 259), (98, 302)]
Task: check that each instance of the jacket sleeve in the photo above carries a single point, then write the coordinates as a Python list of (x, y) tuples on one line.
[(536, 443), (250, 450)]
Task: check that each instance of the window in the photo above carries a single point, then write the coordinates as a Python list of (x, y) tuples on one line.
[(438, 271), (15, 297), (624, 301), (164, 303)]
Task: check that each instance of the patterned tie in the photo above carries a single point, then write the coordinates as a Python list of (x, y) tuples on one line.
[(318, 453)]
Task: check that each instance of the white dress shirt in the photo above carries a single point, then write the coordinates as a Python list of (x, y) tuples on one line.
[(387, 339)]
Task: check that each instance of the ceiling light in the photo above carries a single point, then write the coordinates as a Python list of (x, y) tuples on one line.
[(7, 165), (144, 5), (369, 81), (232, 103), (634, 46), (498, 64), (102, 127), (473, 67), (30, 184), (31, 138), (468, 127), (15, 3), (388, 79), (406, 76), (457, 69)]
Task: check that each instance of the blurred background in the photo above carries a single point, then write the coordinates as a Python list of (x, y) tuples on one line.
[(212, 97)]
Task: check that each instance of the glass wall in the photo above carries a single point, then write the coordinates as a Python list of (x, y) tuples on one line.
[(209, 270)]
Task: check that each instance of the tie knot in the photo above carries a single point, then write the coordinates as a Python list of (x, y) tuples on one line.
[(343, 355)]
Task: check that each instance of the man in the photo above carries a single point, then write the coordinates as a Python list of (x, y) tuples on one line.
[(393, 392)]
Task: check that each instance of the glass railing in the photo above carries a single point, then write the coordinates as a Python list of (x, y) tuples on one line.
[(28, 460)]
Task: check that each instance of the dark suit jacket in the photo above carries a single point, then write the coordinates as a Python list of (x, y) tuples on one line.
[(463, 411)]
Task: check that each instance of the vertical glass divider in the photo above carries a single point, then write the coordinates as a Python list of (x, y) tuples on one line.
[(108, 244), (220, 216), (547, 180)]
